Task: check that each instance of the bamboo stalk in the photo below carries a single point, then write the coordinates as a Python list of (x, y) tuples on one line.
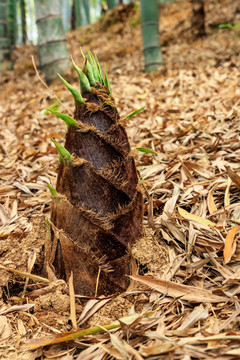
[(150, 34), (52, 50), (5, 60)]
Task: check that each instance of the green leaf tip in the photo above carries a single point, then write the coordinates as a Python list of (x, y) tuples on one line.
[(89, 72), (52, 190), (87, 69), (94, 66), (63, 153), (84, 83), (146, 151), (99, 70), (135, 112), (75, 93), (230, 26), (93, 70), (54, 106), (69, 121), (106, 80), (82, 53)]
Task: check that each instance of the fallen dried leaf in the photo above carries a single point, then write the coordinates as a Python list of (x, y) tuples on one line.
[(5, 328), (199, 219), (233, 176), (199, 313), (184, 292), (24, 307), (230, 244), (210, 201)]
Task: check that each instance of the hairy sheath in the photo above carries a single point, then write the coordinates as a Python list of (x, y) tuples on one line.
[(96, 213)]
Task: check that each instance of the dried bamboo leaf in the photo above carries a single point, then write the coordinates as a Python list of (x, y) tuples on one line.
[(26, 275), (230, 244), (24, 307), (199, 313), (184, 292), (119, 346), (233, 176), (158, 349), (91, 307), (226, 195), (210, 201), (199, 219), (112, 351)]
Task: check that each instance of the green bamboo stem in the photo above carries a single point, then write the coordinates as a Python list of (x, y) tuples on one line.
[(5, 59), (111, 4), (62, 337), (23, 21), (66, 14), (52, 50), (86, 7), (12, 22), (150, 35), (78, 13)]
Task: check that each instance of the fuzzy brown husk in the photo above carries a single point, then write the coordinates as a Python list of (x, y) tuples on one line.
[(98, 214)]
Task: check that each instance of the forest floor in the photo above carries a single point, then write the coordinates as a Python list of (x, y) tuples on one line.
[(184, 304)]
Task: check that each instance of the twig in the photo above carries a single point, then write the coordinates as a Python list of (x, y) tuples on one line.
[(150, 208), (234, 221), (97, 282), (46, 86), (72, 302)]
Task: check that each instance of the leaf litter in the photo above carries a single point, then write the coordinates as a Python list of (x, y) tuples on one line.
[(184, 301)]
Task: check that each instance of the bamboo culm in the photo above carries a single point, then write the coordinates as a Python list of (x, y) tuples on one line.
[(52, 50), (5, 51), (150, 35)]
